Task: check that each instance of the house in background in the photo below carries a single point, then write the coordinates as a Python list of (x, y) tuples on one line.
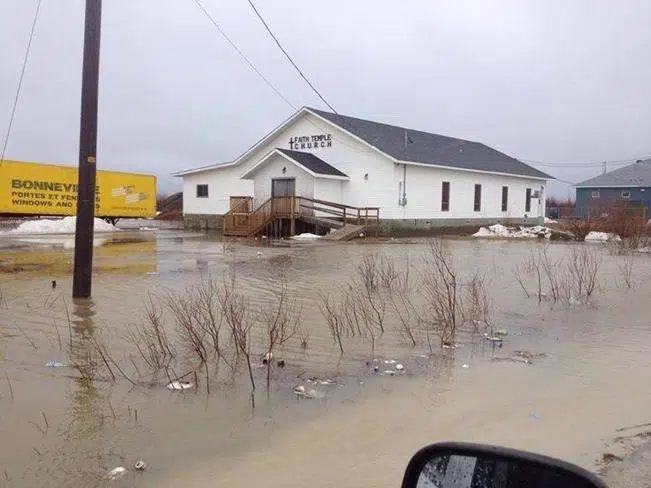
[(629, 186), (413, 179)]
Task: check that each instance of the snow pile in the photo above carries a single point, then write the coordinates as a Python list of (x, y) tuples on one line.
[(306, 237), (499, 230), (594, 236), (59, 226)]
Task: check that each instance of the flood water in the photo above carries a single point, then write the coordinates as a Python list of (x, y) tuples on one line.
[(56, 430)]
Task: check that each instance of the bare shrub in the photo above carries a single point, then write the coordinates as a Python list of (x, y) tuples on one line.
[(625, 268), (368, 273), (570, 278), (520, 272), (580, 228), (281, 321), (210, 316), (330, 310), (373, 307), (406, 312), (150, 337), (237, 316), (532, 265), (88, 355), (477, 306), (389, 277), (186, 312), (441, 291), (552, 272), (352, 314), (582, 270)]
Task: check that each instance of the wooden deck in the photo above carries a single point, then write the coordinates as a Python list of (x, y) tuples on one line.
[(241, 221)]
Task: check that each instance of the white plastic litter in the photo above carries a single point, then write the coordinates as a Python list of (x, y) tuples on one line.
[(465, 366), (549, 221), (595, 236), (306, 237), (399, 367), (54, 364), (180, 385), (65, 225), (139, 466), (500, 231), (116, 473), (311, 394)]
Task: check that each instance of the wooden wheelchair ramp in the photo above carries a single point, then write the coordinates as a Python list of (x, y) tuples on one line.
[(346, 233)]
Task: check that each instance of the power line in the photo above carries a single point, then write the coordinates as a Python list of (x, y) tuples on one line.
[(587, 164), (289, 57), (242, 55), (20, 81)]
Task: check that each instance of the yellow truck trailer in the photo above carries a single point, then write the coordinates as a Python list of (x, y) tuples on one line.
[(48, 189)]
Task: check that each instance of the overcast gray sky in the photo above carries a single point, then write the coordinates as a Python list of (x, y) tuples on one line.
[(557, 81)]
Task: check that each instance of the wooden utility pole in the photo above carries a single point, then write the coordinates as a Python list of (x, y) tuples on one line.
[(84, 232)]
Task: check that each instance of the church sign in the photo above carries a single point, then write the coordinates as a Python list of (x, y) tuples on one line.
[(310, 142)]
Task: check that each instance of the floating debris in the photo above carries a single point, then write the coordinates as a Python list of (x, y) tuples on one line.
[(502, 332), (448, 345), (389, 361), (465, 366), (180, 385), (494, 339), (54, 364), (529, 354), (516, 359), (399, 367), (389, 372), (281, 363), (318, 381), (534, 415), (139, 466), (300, 391), (116, 473)]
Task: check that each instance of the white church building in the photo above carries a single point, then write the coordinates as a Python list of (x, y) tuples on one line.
[(409, 179)]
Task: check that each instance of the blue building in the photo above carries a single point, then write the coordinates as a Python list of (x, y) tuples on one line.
[(631, 184)]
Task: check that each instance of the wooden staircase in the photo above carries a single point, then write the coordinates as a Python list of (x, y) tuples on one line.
[(348, 220)]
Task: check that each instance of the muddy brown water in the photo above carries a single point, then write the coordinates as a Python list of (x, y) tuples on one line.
[(57, 431)]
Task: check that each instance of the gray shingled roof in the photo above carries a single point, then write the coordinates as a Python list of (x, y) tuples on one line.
[(427, 148), (313, 163), (636, 174)]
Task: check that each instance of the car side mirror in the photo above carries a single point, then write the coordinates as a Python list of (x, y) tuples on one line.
[(462, 465)]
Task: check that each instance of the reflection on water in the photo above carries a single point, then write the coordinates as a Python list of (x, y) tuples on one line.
[(366, 427)]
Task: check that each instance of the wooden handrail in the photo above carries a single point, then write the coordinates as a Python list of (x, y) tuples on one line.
[(337, 205)]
